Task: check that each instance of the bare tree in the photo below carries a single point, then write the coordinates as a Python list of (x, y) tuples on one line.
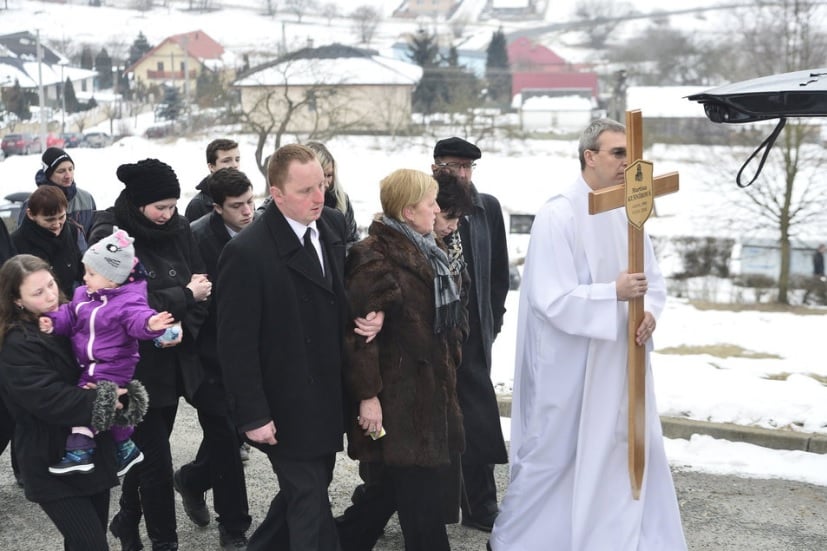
[(316, 111), (366, 20), (783, 36), (142, 5), (329, 11), (599, 18), (270, 7), (299, 7)]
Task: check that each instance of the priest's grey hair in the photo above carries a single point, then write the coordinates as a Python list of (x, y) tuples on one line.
[(590, 136)]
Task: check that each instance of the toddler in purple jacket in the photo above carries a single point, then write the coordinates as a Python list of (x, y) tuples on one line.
[(105, 320)]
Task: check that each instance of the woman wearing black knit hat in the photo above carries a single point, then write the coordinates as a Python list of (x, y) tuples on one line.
[(147, 210), (58, 170)]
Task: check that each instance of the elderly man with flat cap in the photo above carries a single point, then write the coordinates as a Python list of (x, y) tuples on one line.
[(480, 240)]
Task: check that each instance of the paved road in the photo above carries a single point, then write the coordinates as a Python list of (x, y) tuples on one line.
[(720, 513)]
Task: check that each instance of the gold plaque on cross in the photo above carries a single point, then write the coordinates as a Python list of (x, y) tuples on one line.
[(640, 192)]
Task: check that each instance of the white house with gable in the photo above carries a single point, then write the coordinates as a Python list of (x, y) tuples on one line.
[(332, 87)]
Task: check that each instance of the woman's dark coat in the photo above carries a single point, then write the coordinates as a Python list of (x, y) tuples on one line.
[(38, 383), (60, 251), (170, 257), (350, 217), (410, 368)]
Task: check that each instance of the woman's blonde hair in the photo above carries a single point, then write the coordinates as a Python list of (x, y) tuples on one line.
[(404, 188), (328, 162)]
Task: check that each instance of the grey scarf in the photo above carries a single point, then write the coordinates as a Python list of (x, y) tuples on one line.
[(446, 291)]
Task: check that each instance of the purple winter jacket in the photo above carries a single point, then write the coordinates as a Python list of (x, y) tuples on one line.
[(105, 327)]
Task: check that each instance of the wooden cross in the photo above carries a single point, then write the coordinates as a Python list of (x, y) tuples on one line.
[(637, 195)]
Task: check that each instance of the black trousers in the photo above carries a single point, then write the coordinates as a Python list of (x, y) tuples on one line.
[(479, 490), (299, 518), (147, 487), (6, 427), (412, 492), (81, 520), (217, 464)]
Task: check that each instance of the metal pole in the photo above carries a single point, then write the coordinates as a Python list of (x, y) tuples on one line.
[(62, 100), (40, 94)]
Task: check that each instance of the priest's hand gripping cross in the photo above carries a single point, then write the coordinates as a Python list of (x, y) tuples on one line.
[(637, 195)]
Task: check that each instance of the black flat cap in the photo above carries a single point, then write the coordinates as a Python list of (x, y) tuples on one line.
[(456, 147)]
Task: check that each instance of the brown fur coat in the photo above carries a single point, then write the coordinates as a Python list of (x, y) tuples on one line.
[(411, 369)]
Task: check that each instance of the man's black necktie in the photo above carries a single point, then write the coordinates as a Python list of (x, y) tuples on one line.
[(311, 250)]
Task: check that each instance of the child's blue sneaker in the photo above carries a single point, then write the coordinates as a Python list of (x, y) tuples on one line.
[(74, 461), (128, 456)]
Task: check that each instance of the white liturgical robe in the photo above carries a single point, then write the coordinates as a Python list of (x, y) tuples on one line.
[(570, 487)]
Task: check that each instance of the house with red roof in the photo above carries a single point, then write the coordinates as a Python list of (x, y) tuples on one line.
[(550, 93), (179, 59), (535, 67)]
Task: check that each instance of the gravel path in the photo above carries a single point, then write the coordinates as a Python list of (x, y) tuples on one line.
[(720, 513)]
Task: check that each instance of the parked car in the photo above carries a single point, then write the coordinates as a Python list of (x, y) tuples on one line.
[(10, 210), (21, 144), (514, 278), (53, 140), (97, 139), (159, 131), (72, 139)]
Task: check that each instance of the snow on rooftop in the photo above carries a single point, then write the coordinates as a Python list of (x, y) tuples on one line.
[(343, 70), (558, 103), (665, 101)]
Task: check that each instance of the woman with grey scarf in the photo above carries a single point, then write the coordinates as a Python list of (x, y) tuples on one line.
[(405, 422)]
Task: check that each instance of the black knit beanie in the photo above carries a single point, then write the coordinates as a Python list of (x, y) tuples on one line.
[(51, 158), (149, 181)]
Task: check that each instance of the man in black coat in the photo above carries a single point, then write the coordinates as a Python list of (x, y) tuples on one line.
[(217, 464), (481, 237), (281, 317)]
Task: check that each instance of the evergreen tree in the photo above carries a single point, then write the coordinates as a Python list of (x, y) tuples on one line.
[(17, 102), (138, 49), (423, 49), (173, 104), (498, 70), (103, 65), (209, 92), (69, 97), (124, 86), (432, 92), (462, 86), (86, 60)]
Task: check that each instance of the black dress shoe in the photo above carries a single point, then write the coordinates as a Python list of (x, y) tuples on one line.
[(485, 523), (230, 541), (194, 505), (124, 526)]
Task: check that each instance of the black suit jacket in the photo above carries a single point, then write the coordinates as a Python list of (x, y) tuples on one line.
[(210, 235), (280, 327)]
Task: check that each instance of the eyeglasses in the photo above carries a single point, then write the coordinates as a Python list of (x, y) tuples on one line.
[(616, 152), (457, 166)]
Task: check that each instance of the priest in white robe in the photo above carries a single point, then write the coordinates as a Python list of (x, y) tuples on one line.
[(570, 487)]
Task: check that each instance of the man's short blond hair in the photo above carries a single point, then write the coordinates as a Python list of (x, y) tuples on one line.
[(278, 165)]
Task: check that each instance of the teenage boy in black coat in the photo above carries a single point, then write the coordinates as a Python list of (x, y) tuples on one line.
[(217, 464)]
